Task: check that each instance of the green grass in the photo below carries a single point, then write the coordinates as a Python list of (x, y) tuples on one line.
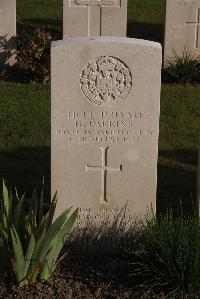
[(25, 140), (179, 139), (25, 135), (164, 256), (39, 13), (145, 18)]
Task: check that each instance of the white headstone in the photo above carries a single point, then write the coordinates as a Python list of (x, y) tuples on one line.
[(7, 30), (105, 124), (94, 18), (182, 27)]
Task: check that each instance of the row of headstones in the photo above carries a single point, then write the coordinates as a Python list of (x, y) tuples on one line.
[(105, 113), (109, 18), (106, 105)]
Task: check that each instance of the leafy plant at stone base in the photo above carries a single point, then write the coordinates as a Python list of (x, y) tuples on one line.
[(32, 243), (166, 257), (182, 69), (33, 56), (5, 215)]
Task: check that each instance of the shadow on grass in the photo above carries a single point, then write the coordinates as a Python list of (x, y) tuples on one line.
[(153, 32), (25, 168), (141, 30), (51, 25), (177, 181)]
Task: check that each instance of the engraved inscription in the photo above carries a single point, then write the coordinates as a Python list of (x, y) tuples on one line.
[(106, 80), (196, 23), (103, 126), (102, 214), (188, 3), (104, 168), (101, 3)]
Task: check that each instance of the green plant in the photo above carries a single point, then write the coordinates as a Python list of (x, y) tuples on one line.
[(183, 69), (167, 255), (4, 230), (30, 239), (9, 215), (33, 56)]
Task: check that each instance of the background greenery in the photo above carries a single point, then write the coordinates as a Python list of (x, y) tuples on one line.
[(25, 113), (145, 18)]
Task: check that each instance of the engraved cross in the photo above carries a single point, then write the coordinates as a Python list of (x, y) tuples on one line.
[(104, 168), (197, 28), (95, 8)]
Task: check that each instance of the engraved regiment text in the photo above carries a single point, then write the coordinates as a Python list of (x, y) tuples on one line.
[(102, 126)]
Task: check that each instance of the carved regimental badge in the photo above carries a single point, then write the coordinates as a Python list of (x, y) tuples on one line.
[(106, 80)]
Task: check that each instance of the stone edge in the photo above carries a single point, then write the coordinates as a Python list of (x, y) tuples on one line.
[(107, 39)]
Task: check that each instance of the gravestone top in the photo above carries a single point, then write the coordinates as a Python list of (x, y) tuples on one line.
[(182, 28), (105, 124), (106, 39), (187, 3), (94, 18), (112, 3)]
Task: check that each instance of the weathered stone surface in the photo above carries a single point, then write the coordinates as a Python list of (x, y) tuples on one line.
[(94, 18), (7, 30), (182, 27), (105, 124)]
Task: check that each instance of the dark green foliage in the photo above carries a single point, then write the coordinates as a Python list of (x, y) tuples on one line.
[(183, 69), (30, 242), (166, 256), (33, 56)]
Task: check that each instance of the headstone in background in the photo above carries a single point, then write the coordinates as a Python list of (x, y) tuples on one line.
[(105, 124), (182, 27), (94, 18), (7, 31)]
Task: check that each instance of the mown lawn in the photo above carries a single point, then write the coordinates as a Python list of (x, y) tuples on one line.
[(145, 18), (25, 140), (25, 135), (179, 139)]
